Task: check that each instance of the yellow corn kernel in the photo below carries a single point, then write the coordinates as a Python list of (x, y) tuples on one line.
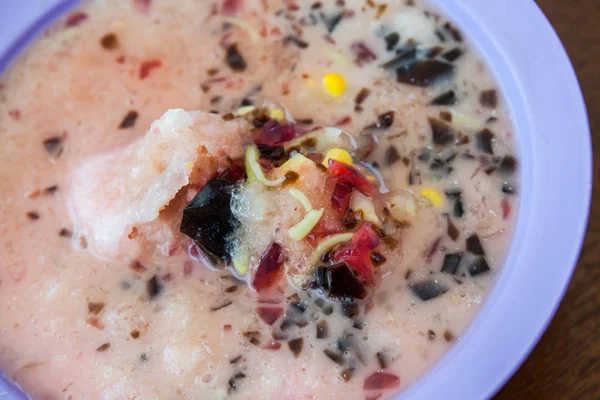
[(433, 196), (338, 155), (276, 114), (334, 84)]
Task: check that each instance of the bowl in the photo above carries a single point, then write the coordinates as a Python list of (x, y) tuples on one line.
[(553, 139)]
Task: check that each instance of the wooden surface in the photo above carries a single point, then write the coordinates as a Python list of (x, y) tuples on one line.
[(566, 362)]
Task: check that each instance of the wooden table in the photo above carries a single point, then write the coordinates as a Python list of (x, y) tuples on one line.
[(566, 362)]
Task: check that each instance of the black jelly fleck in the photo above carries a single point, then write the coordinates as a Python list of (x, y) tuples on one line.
[(508, 165), (235, 381), (424, 73), (430, 335), (424, 155), (350, 310), (451, 263), (446, 116), (453, 55), (391, 155), (441, 132), (334, 356), (276, 154), (448, 336), (153, 287), (296, 346), (235, 359), (478, 266), (51, 190), (382, 359), (508, 188), (129, 120), (453, 193), (234, 59), (414, 177), (109, 41), (343, 344), (347, 374), (301, 44), (53, 145), (290, 177), (445, 99), (455, 33), (391, 40), (33, 215), (208, 219), (384, 121), (489, 98), (343, 284), (231, 289), (490, 170), (434, 52), (352, 218), (358, 325), (362, 96), (322, 329), (458, 210), (440, 36), (298, 306), (474, 245), (103, 347), (377, 258), (322, 278), (333, 22), (452, 230), (327, 310), (221, 305), (65, 233), (405, 56), (428, 290), (484, 141)]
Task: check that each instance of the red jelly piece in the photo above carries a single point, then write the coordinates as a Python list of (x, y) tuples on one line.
[(75, 19), (506, 208), (273, 133), (148, 66), (272, 345), (321, 231), (269, 269), (362, 53), (231, 7), (357, 253), (142, 5), (381, 380), (350, 176), (340, 199), (269, 314)]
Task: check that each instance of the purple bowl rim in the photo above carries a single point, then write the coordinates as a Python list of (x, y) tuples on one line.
[(64, 5), (43, 21), (586, 215)]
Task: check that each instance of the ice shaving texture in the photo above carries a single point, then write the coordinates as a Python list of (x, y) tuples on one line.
[(114, 193)]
